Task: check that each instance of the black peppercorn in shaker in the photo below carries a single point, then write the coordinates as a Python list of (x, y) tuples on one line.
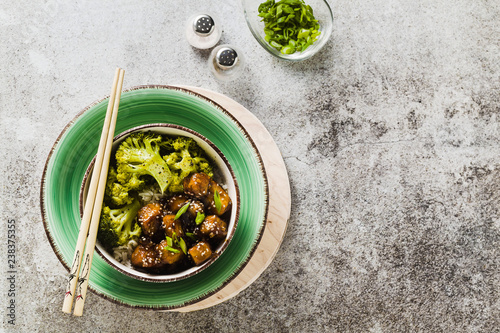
[(226, 62)]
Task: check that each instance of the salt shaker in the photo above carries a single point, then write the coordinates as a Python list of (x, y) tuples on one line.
[(203, 31)]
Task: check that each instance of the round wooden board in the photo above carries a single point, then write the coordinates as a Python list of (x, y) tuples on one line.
[(279, 202)]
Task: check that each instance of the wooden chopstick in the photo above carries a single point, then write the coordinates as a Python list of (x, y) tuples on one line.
[(78, 282)]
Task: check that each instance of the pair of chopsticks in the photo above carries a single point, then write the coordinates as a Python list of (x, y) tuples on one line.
[(78, 281)]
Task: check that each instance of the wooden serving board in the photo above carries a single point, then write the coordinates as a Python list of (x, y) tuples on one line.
[(279, 202)]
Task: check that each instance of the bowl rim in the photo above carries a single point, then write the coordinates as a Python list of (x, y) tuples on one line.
[(302, 55), (165, 278), (213, 103)]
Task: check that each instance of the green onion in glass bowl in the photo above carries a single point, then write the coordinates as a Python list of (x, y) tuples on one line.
[(289, 29), (290, 25)]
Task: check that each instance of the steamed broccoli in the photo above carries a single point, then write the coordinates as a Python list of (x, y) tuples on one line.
[(185, 157), (117, 193), (117, 226), (138, 155)]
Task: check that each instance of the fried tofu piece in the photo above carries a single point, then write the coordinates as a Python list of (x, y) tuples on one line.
[(171, 225), (149, 219), (213, 227), (167, 256), (145, 257), (176, 202), (200, 253), (225, 200), (195, 207), (196, 185)]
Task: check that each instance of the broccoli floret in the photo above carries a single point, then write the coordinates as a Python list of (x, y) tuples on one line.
[(187, 157), (138, 155), (204, 166), (117, 226), (118, 194)]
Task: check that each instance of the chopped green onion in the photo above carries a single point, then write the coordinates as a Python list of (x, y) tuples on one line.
[(218, 203), (182, 210), (288, 49), (177, 241), (303, 33), (279, 10), (287, 21), (199, 218), (182, 244), (171, 249), (191, 235), (169, 241), (276, 45)]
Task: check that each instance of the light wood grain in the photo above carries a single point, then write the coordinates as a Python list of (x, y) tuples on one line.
[(279, 202), (78, 282)]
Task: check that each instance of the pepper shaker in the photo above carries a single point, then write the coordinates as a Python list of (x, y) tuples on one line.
[(226, 62)]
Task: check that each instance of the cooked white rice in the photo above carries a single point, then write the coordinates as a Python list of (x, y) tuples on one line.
[(123, 253), (150, 194)]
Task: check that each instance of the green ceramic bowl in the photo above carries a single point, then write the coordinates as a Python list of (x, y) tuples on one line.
[(76, 147)]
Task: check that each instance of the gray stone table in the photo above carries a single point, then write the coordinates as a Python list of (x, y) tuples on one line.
[(391, 137)]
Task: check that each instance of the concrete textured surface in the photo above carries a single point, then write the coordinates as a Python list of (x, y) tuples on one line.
[(391, 136)]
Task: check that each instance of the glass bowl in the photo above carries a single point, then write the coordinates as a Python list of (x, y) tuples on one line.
[(322, 12)]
